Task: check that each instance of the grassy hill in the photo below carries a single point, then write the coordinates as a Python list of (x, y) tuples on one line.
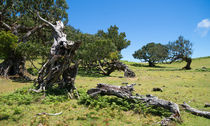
[(193, 87)]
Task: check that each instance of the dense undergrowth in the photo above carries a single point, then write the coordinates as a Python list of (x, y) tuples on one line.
[(13, 105)]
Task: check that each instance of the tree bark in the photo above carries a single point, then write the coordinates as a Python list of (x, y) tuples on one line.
[(189, 61), (151, 64), (13, 65), (116, 65), (125, 92), (57, 69), (195, 111)]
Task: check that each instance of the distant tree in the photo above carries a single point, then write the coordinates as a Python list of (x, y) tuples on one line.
[(152, 53), (181, 49)]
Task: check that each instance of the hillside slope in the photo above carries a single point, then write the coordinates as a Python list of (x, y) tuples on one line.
[(178, 85)]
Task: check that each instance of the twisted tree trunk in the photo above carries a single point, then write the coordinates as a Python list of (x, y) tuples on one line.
[(151, 64), (189, 61), (13, 65), (57, 69), (116, 65)]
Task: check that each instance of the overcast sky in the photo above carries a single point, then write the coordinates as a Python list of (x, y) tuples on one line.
[(146, 21)]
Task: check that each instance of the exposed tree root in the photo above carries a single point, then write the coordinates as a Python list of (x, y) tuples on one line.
[(126, 93), (195, 111)]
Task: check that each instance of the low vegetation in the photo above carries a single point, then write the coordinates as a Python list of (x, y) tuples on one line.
[(21, 106)]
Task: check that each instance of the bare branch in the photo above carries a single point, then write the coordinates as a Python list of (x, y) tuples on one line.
[(195, 111), (6, 25), (46, 21), (24, 38), (50, 114)]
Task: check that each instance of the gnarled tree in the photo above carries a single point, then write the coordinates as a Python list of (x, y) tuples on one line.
[(181, 49), (57, 69)]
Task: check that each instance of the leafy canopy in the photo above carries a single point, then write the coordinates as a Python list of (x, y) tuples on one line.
[(119, 39), (8, 43), (152, 53), (180, 48), (20, 18)]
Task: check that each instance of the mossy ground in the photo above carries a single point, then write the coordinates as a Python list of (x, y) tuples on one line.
[(193, 87)]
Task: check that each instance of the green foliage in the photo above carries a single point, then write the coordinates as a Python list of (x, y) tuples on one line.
[(8, 44), (20, 18), (152, 53), (119, 39), (116, 103), (180, 49), (33, 71), (33, 50), (94, 49), (12, 104), (100, 48)]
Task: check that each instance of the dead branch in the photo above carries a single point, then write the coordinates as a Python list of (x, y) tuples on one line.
[(195, 111), (50, 114)]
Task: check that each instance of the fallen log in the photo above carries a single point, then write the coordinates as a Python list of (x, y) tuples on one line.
[(125, 92), (195, 111)]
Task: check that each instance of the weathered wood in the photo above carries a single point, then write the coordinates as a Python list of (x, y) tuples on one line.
[(126, 93), (50, 114), (195, 111), (57, 69)]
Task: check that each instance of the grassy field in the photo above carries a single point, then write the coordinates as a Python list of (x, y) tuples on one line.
[(193, 86)]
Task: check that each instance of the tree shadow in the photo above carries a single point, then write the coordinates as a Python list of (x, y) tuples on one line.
[(144, 65), (56, 91), (166, 69), (21, 79), (84, 73)]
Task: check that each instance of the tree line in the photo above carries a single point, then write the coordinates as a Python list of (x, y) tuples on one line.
[(180, 49), (24, 37)]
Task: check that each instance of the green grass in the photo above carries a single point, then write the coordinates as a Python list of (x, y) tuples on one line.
[(193, 86)]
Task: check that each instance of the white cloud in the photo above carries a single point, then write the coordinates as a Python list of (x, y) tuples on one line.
[(205, 23), (203, 27)]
